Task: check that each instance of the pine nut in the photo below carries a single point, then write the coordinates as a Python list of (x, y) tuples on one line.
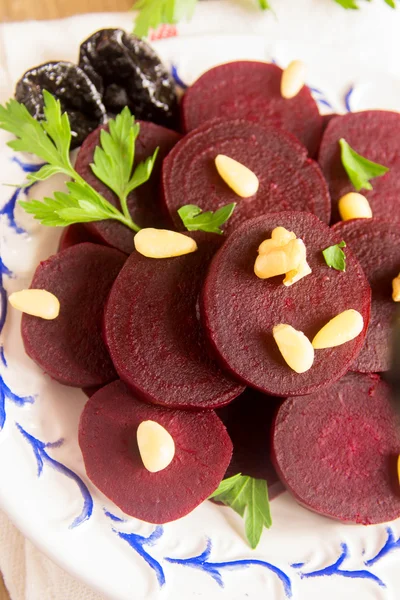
[(293, 78), (295, 347), (280, 260), (282, 235), (343, 328), (297, 274), (396, 288), (239, 178), (38, 303), (162, 243), (156, 446), (354, 206)]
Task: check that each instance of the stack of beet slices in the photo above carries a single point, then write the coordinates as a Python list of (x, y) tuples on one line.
[(374, 134), (252, 91), (187, 341), (288, 179)]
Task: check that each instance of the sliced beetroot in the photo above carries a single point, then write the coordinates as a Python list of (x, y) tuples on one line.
[(248, 420), (240, 310), (326, 119), (107, 437), (75, 234), (153, 333), (376, 244), (289, 180), (143, 203), (251, 90), (374, 134), (70, 348), (336, 450)]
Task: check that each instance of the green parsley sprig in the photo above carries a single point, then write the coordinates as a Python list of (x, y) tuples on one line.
[(153, 13), (194, 218), (359, 169), (50, 140), (249, 498)]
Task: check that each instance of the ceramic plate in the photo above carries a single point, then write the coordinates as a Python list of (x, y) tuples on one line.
[(43, 486)]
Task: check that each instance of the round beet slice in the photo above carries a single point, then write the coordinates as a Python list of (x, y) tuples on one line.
[(248, 420), (336, 450), (374, 134), (75, 234), (143, 203), (153, 332), (251, 90), (70, 348), (107, 437), (376, 244), (289, 180), (240, 310)]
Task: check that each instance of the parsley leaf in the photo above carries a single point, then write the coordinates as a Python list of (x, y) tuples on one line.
[(113, 160), (359, 169), (194, 218), (249, 498), (153, 13), (50, 140), (335, 257), (348, 4)]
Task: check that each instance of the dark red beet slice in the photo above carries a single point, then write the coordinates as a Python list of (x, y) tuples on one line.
[(251, 90), (144, 204), (248, 420), (107, 437), (326, 119), (288, 179), (240, 310), (75, 234), (376, 244), (336, 451), (374, 134), (89, 391), (153, 332), (70, 348)]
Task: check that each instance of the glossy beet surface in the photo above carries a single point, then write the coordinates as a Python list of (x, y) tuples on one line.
[(70, 348), (376, 244), (153, 333), (240, 310), (251, 90), (288, 179), (107, 437), (336, 450), (375, 134)]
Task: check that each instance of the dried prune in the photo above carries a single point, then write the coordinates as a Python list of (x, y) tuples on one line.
[(128, 72), (76, 92)]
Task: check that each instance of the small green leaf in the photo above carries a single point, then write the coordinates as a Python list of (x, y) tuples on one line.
[(142, 172), (348, 4), (335, 257), (249, 498), (189, 211), (194, 219), (226, 484), (391, 3), (359, 169), (44, 173), (264, 4)]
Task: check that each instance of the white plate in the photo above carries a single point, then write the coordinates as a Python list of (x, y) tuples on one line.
[(43, 486)]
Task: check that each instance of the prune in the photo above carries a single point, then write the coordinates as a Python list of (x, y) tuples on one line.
[(128, 72), (76, 92)]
